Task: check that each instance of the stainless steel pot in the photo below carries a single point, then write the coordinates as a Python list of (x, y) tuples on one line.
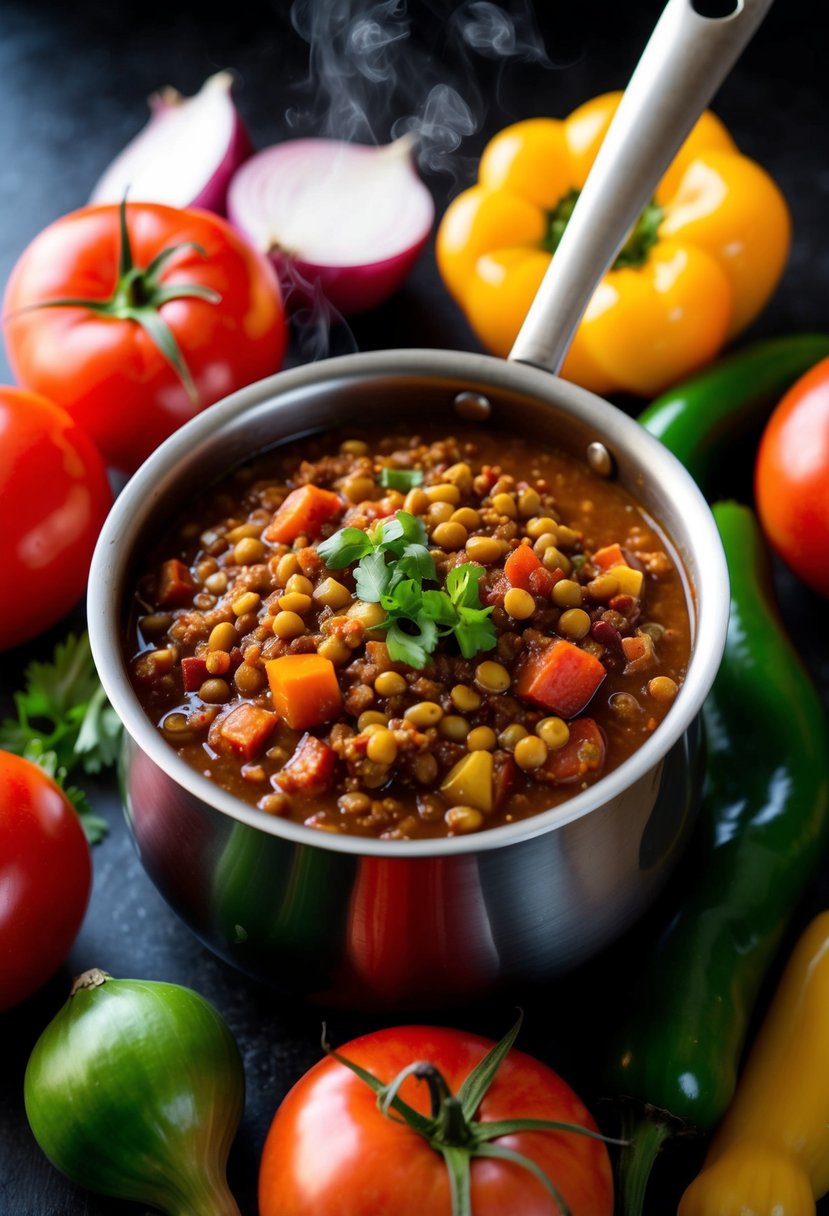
[(371, 922)]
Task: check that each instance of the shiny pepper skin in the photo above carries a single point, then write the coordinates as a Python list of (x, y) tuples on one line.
[(770, 1156), (699, 267)]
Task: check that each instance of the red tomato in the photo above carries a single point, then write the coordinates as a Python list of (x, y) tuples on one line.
[(45, 877), (55, 484), (329, 1149), (107, 370), (792, 478)]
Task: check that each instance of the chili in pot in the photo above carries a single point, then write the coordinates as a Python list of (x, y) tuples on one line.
[(407, 636)]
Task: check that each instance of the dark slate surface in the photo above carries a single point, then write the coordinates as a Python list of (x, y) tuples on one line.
[(73, 82)]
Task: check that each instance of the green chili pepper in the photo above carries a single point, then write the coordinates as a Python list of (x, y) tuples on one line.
[(700, 419), (763, 829)]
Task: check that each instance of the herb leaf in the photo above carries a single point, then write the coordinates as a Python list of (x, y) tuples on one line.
[(344, 547), (63, 708), (413, 649), (402, 530), (372, 577), (401, 479), (394, 562)]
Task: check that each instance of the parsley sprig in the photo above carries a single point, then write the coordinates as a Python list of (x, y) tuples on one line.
[(393, 563), (64, 721)]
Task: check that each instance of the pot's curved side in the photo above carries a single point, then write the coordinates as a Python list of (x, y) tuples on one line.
[(394, 931)]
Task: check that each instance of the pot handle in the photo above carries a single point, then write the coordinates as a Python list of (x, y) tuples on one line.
[(686, 59)]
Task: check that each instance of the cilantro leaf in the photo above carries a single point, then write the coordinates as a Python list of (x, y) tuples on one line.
[(411, 648), (474, 631), (99, 736), (63, 707), (401, 479), (417, 562), (394, 562), (462, 584), (344, 547), (372, 577), (438, 607), (402, 530)]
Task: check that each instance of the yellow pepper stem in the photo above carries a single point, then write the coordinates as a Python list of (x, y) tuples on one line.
[(641, 239)]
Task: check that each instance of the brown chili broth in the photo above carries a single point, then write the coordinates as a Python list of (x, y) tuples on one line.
[(600, 509)]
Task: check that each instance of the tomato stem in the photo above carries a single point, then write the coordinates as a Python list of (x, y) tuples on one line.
[(138, 296), (450, 1125)]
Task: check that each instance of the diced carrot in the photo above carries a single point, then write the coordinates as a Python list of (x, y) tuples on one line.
[(193, 673), (610, 555), (303, 513), (582, 755), (519, 566), (175, 584), (246, 730), (561, 678), (310, 770), (305, 689)]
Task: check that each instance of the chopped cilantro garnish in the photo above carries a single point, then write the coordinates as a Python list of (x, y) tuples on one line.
[(64, 721), (401, 479), (393, 564)]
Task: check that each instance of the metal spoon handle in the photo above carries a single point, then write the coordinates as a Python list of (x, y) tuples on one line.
[(686, 59)]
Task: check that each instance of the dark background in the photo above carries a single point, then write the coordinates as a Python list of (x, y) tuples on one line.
[(73, 83)]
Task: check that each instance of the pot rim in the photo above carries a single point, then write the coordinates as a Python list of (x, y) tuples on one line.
[(481, 372)]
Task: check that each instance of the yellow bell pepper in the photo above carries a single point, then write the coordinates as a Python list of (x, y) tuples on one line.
[(698, 267), (770, 1156)]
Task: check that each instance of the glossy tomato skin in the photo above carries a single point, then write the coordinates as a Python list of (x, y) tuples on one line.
[(107, 372), (55, 496), (792, 478), (45, 878), (330, 1150)]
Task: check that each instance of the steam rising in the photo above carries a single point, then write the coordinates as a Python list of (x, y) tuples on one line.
[(375, 73), (372, 78)]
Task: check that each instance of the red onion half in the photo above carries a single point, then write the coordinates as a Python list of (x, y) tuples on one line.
[(348, 217), (186, 154)]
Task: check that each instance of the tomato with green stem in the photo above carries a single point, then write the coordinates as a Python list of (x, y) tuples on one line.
[(45, 877), (491, 1131), (135, 317), (56, 495), (792, 478)]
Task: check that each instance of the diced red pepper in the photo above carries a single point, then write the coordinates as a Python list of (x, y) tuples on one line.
[(492, 593), (303, 513), (583, 755), (560, 677), (503, 777), (246, 730), (543, 580), (310, 770), (175, 584), (193, 673), (519, 566)]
